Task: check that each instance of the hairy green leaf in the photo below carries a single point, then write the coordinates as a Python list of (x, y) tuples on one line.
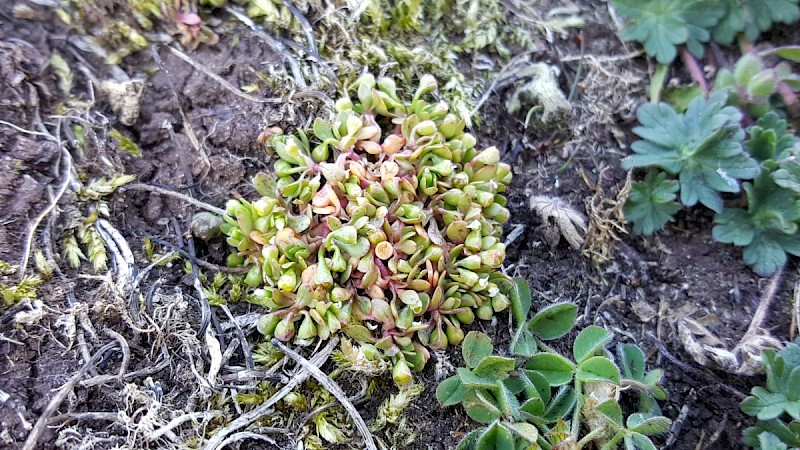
[(554, 321), (495, 367), (589, 341), (647, 424), (475, 347), (450, 391), (651, 203), (611, 411), (480, 406), (496, 437), (555, 368), (598, 368)]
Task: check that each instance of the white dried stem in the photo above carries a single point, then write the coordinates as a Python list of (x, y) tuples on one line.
[(26, 249), (215, 443), (124, 262), (334, 389), (178, 195)]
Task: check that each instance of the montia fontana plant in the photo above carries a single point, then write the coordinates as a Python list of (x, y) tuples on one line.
[(384, 224)]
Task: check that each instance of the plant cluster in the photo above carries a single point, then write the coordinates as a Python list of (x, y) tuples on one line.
[(82, 241), (13, 292), (545, 400), (662, 25), (384, 224), (752, 83), (776, 405), (706, 152)]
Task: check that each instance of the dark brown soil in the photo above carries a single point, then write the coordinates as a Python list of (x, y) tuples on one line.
[(649, 285)]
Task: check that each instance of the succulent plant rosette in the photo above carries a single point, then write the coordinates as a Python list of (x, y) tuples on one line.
[(385, 224)]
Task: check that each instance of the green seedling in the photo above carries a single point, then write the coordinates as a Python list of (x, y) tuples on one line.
[(752, 17), (383, 224), (662, 25), (651, 203), (752, 84), (768, 227), (702, 147), (546, 400), (776, 405)]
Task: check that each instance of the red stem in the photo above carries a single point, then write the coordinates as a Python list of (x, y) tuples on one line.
[(694, 69)]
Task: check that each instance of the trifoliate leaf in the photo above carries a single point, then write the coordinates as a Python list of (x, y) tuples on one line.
[(651, 203), (662, 25), (703, 147)]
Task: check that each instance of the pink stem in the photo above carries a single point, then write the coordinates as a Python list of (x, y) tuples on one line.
[(695, 71)]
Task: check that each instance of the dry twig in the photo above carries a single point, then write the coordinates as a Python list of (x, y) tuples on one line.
[(333, 388), (178, 195), (215, 443)]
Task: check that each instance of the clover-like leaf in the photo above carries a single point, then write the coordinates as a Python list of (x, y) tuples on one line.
[(611, 411), (524, 430), (589, 341), (651, 203), (555, 368), (469, 441), (472, 381), (507, 401), (598, 368), (523, 343), (647, 424), (561, 404), (631, 361), (638, 441), (480, 406), (703, 147), (475, 347), (495, 367), (496, 437), (554, 321), (450, 391), (521, 301)]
